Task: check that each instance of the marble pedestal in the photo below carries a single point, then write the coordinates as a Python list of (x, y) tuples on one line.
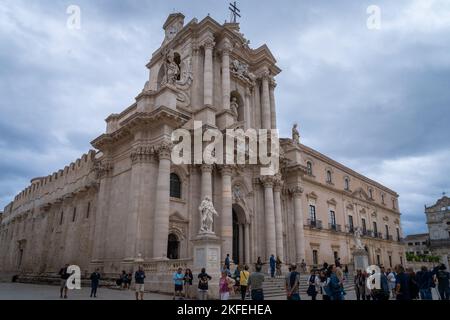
[(207, 255), (361, 259)]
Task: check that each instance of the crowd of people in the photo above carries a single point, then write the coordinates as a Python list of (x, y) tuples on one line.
[(328, 281)]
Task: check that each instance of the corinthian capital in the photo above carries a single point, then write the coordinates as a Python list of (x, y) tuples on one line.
[(209, 43), (267, 181), (143, 153), (296, 191), (206, 168), (164, 151), (226, 170)]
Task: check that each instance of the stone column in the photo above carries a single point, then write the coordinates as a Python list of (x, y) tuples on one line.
[(298, 224), (241, 243), (206, 181), (247, 243), (226, 91), (162, 207), (266, 122), (278, 218), (208, 73), (227, 212), (248, 116), (267, 182), (273, 111)]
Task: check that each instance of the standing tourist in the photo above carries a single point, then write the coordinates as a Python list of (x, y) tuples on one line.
[(279, 263), (443, 282), (63, 282), (391, 281), (424, 281), (255, 284), (292, 284), (337, 262), (259, 263), (95, 279), (312, 290), (346, 272), (303, 266), (225, 286), (402, 284), (244, 282), (383, 293), (368, 291), (203, 279), (272, 263), (227, 262), (188, 278), (335, 285), (360, 285), (139, 278), (178, 279), (413, 287)]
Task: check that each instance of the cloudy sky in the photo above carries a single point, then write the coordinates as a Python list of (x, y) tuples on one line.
[(376, 100)]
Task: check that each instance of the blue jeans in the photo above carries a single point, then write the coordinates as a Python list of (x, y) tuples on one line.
[(258, 295), (294, 297), (425, 294)]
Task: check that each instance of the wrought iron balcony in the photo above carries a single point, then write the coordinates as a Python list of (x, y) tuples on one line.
[(368, 233), (349, 229), (316, 224), (379, 235), (388, 237), (334, 227)]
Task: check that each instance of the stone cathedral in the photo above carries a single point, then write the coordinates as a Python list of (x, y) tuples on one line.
[(125, 203)]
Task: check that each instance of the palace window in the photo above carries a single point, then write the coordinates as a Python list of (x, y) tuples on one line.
[(173, 247), (398, 234), (370, 193), (312, 213), (375, 228), (329, 177), (315, 257), (387, 231), (390, 261), (401, 259), (88, 210), (61, 218), (175, 186), (382, 198), (309, 168), (350, 223), (347, 184), (332, 218), (74, 216), (364, 227), (378, 260)]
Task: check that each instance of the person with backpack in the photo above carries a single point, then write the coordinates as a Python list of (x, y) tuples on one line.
[(292, 284), (443, 277), (312, 291), (203, 279), (244, 282), (360, 285)]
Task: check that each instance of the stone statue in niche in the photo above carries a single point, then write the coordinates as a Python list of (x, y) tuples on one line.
[(295, 134), (234, 106), (358, 242), (207, 213), (172, 69)]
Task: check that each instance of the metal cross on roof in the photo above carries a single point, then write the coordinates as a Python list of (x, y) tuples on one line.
[(235, 12)]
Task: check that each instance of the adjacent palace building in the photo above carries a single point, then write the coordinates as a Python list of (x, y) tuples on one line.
[(126, 203)]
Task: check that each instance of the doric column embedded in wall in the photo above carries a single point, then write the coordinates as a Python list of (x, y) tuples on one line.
[(162, 213), (297, 192), (226, 86), (141, 155), (273, 111), (206, 189), (278, 184), (227, 211), (268, 182), (247, 243), (208, 45), (266, 121), (104, 169)]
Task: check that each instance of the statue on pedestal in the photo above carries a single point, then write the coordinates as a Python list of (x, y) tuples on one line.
[(358, 242), (207, 213), (295, 134), (234, 106)]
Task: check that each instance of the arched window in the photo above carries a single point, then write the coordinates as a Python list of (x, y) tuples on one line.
[(347, 184), (329, 176), (370, 193), (309, 168), (173, 247), (175, 186)]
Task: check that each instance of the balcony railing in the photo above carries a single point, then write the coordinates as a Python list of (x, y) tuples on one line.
[(316, 224), (388, 237), (334, 227), (349, 229), (368, 233), (379, 235)]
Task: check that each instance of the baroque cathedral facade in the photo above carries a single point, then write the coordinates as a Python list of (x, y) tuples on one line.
[(127, 203)]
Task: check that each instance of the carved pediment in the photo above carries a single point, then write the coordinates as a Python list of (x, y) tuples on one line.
[(177, 217), (312, 195), (361, 194), (332, 202)]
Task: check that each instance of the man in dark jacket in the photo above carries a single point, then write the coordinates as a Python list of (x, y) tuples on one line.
[(402, 289), (424, 280), (95, 279), (443, 278)]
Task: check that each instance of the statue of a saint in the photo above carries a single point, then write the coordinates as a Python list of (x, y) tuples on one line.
[(234, 106), (358, 242), (295, 134), (207, 213), (173, 70)]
